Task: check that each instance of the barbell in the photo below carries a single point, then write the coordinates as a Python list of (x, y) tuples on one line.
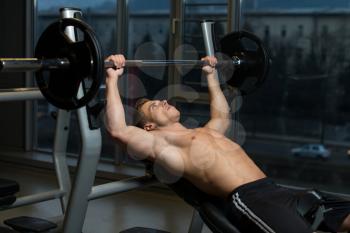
[(62, 64)]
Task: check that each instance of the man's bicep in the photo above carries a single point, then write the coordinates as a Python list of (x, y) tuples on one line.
[(139, 143), (220, 125)]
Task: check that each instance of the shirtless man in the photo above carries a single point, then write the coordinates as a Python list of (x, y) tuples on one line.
[(210, 161)]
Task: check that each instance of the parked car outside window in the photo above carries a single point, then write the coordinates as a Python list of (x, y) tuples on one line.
[(312, 151)]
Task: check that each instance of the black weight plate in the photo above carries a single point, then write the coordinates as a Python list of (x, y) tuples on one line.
[(251, 74), (60, 86)]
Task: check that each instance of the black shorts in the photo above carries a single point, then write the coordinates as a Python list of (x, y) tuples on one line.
[(263, 206)]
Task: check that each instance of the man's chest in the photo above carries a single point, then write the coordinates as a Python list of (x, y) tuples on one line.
[(192, 138)]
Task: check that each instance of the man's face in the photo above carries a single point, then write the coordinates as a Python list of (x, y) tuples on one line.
[(160, 112)]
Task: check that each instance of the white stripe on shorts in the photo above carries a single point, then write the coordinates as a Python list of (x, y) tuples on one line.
[(249, 213)]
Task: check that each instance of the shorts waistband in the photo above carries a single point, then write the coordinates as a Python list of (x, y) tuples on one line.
[(252, 185)]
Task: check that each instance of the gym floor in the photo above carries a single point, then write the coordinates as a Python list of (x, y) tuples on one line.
[(144, 208)]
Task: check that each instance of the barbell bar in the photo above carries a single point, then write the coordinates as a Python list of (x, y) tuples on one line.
[(62, 65), (31, 64), (34, 64)]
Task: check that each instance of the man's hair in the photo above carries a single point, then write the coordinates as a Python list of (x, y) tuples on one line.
[(139, 117)]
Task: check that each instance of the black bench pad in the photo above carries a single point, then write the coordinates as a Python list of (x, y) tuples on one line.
[(30, 224)]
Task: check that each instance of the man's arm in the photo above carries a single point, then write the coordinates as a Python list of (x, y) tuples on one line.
[(139, 142), (219, 108)]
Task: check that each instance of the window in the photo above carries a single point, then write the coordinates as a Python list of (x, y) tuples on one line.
[(191, 94), (305, 99), (195, 11), (147, 39)]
